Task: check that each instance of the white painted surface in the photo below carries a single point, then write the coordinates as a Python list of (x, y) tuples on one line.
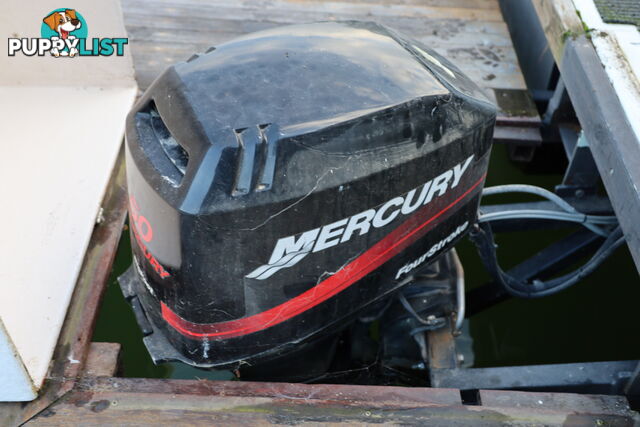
[(62, 126), (618, 47)]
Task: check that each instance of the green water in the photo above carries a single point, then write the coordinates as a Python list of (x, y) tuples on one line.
[(595, 320)]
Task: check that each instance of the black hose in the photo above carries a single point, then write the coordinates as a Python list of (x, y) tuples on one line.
[(482, 236)]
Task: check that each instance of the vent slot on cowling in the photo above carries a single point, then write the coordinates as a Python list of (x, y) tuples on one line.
[(174, 151), (255, 160)]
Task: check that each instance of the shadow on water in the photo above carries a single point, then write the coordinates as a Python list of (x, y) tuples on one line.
[(592, 321)]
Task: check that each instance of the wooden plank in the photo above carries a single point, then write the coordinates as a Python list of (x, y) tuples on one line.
[(378, 396), (233, 13), (470, 4), (492, 67), (345, 9), (197, 18), (559, 21), (102, 360), (130, 401), (454, 33)]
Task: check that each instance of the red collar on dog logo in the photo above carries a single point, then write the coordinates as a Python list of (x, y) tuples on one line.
[(392, 244)]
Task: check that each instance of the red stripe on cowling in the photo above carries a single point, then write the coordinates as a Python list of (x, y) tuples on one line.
[(378, 254)]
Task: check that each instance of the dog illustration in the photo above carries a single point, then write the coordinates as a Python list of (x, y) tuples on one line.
[(63, 23)]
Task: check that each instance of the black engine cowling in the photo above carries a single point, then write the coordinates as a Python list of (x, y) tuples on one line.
[(284, 181)]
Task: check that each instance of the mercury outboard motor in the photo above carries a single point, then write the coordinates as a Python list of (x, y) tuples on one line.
[(284, 182)]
